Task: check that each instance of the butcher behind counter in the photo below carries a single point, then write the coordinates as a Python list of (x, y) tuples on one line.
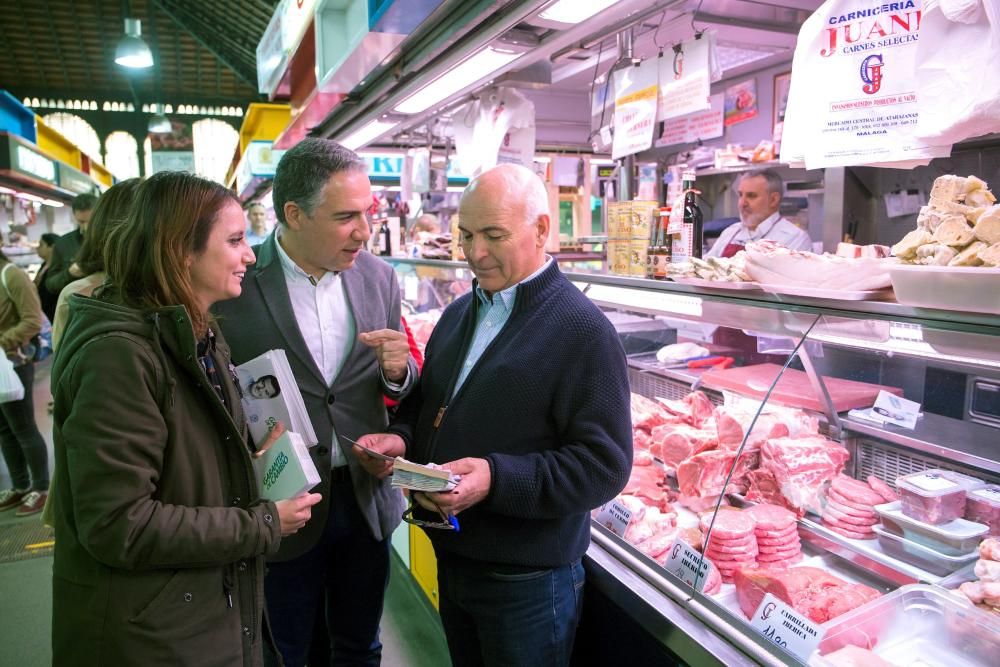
[(759, 195)]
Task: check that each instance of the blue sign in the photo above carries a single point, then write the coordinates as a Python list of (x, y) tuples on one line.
[(390, 168)]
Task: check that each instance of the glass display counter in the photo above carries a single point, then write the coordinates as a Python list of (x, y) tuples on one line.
[(772, 436)]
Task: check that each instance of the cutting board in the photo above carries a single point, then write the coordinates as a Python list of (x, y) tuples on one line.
[(794, 388)]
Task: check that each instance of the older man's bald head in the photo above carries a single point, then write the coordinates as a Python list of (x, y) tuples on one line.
[(503, 220), (508, 187)]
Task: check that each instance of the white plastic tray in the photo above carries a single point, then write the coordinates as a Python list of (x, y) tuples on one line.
[(819, 293), (967, 288), (717, 284)]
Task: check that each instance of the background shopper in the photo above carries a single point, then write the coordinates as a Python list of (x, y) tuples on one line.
[(23, 447)]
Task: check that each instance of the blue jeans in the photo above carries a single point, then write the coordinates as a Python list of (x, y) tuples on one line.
[(331, 597), (508, 616), (23, 446)]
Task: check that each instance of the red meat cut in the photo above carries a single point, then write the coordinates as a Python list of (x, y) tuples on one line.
[(883, 489), (836, 496), (704, 474), (771, 518), (856, 490), (850, 511), (802, 468), (699, 407), (673, 443), (809, 590), (837, 516), (731, 524), (764, 488)]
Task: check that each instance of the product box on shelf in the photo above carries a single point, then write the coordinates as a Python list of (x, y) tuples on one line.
[(983, 506), (935, 496)]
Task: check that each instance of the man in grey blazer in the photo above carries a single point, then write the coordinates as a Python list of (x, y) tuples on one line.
[(335, 310)]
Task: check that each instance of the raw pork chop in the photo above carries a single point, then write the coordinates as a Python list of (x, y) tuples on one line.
[(883, 489), (857, 490), (771, 517), (673, 443), (802, 467)]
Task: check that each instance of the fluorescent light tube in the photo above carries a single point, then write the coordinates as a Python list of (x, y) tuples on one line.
[(367, 133), (478, 66), (574, 11)]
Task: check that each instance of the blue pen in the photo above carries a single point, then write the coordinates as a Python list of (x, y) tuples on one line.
[(453, 520)]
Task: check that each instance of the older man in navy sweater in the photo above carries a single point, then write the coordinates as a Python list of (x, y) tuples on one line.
[(524, 394)]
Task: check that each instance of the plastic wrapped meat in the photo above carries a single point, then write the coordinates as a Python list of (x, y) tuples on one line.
[(983, 506), (934, 496)]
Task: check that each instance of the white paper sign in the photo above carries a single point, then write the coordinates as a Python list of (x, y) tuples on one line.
[(635, 108), (896, 410), (684, 84), (615, 517), (701, 125), (688, 565), (853, 95), (785, 627)]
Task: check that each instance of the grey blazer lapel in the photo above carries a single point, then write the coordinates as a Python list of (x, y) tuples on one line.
[(356, 291), (270, 278)]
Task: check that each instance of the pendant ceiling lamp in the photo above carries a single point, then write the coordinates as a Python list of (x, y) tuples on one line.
[(132, 51)]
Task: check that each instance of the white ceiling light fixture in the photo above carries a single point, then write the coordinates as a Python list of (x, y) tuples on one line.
[(367, 133), (132, 51), (479, 66), (574, 11), (159, 124)]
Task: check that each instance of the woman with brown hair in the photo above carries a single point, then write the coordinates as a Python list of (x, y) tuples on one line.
[(110, 211), (22, 444), (160, 529)]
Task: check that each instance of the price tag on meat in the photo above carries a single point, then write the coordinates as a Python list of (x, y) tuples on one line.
[(786, 628), (615, 517), (688, 565)]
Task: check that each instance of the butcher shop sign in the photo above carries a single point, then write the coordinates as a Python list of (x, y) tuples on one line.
[(785, 627)]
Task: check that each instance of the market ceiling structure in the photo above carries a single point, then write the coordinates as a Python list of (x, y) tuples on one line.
[(204, 51)]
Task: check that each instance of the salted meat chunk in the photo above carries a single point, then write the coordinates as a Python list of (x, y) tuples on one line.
[(935, 254), (969, 256), (988, 570), (991, 255), (950, 188), (971, 213), (928, 219), (987, 227), (980, 198), (907, 246), (954, 231), (848, 250)]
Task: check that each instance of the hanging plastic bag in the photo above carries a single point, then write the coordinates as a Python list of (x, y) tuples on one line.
[(11, 388), (958, 70)]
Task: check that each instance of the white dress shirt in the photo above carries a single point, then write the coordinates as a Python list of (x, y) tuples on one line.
[(774, 228)]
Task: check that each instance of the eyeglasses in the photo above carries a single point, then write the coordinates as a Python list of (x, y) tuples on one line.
[(451, 522)]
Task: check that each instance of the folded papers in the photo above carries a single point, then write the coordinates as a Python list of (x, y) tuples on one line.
[(286, 469), (271, 395), (417, 477)]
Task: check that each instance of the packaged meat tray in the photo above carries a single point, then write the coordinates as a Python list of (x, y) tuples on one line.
[(983, 506), (935, 496), (922, 556), (954, 538), (917, 625)]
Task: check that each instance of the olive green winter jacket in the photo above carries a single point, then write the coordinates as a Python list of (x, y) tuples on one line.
[(160, 533)]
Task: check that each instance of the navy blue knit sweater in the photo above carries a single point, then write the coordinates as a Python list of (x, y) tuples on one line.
[(547, 405)]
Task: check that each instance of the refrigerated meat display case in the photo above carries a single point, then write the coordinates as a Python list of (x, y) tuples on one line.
[(773, 420)]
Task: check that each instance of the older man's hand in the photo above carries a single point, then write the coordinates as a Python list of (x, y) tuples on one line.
[(472, 489), (392, 349), (388, 444)]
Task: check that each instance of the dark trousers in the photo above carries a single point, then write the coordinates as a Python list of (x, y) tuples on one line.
[(341, 581), (509, 616), (23, 446)]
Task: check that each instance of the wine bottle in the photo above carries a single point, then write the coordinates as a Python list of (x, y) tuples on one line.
[(693, 220)]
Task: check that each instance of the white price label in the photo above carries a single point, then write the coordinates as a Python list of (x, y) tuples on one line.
[(411, 287), (931, 482), (896, 410), (688, 565), (785, 627), (615, 517)]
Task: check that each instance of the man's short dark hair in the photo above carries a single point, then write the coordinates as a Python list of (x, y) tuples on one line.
[(84, 202), (305, 168), (774, 182), (48, 238)]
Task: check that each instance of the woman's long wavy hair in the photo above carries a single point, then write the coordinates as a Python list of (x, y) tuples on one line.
[(146, 256)]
